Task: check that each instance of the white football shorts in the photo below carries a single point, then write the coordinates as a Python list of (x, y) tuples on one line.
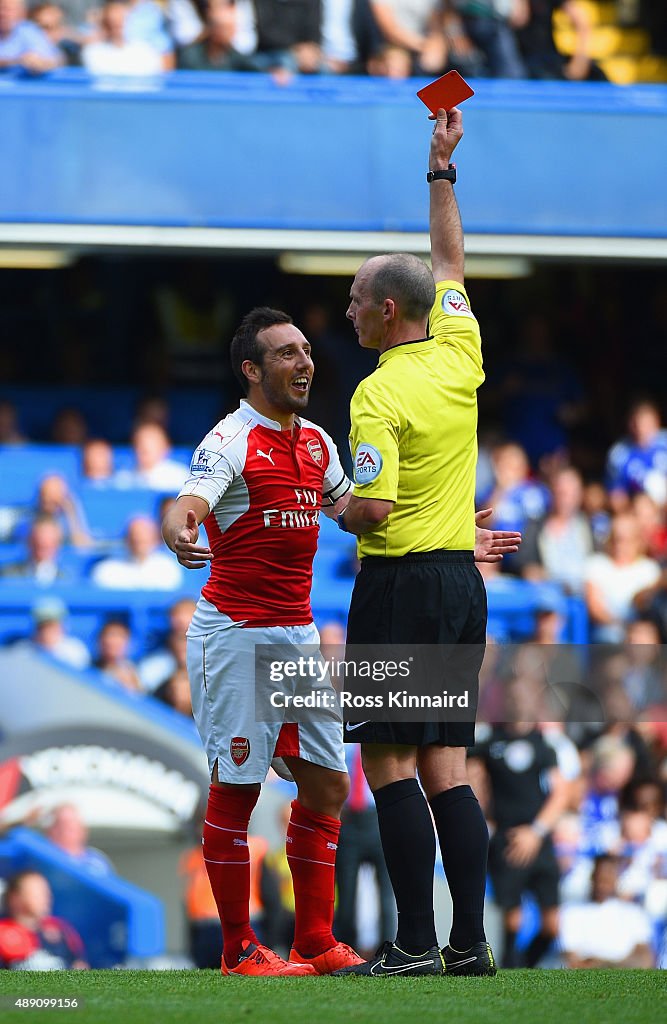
[(221, 666)]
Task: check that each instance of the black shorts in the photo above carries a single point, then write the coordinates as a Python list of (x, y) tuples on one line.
[(428, 597), (541, 878)]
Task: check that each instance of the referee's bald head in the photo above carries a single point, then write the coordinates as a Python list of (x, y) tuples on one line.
[(404, 278)]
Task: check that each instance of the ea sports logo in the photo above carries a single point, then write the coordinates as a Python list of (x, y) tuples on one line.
[(367, 464)]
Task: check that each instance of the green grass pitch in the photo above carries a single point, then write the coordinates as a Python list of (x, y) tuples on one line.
[(203, 997)]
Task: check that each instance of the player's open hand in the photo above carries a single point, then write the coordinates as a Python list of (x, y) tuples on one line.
[(447, 134), (185, 545), (491, 545)]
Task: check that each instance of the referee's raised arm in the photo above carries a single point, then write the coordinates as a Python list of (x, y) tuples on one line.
[(447, 256)]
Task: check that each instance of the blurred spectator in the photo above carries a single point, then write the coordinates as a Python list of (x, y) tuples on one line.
[(183, 20), (516, 499), (390, 62), (152, 409), (31, 939), (644, 678), (153, 469), (651, 519), (176, 692), (613, 580), (643, 847), (548, 622), (489, 24), (538, 49), (416, 28), (639, 461), (49, 635), (338, 42), (612, 763), (113, 645), (527, 797), (157, 667), (68, 831), (146, 23), (596, 507), (69, 427), (44, 562), (367, 36), (114, 53), (97, 462), (462, 54), (23, 44), (144, 567), (289, 35), (214, 51), (563, 541), (56, 501), (50, 18), (10, 432), (607, 931)]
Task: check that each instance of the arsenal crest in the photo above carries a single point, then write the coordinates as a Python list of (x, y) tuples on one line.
[(239, 750), (315, 451)]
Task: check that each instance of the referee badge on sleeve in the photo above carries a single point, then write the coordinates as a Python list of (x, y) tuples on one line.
[(367, 464), (454, 303)]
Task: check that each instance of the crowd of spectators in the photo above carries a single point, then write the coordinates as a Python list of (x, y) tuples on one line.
[(601, 541), (390, 38), (571, 769)]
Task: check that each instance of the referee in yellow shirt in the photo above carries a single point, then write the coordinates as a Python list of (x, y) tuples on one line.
[(414, 446)]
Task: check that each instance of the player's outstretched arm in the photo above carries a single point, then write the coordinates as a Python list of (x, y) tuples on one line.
[(180, 529), (445, 221)]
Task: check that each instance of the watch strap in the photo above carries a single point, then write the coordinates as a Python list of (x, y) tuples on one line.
[(448, 175)]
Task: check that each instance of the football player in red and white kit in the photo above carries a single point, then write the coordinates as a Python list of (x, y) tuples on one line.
[(259, 480)]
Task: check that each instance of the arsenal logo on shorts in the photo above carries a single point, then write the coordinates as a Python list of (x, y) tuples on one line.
[(239, 750), (315, 451)]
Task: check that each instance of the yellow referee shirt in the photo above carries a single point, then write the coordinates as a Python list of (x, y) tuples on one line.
[(413, 434)]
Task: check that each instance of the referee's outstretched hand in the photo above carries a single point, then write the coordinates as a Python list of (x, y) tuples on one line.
[(185, 545), (447, 134), (491, 545)]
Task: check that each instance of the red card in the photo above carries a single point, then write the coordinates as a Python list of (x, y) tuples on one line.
[(445, 92)]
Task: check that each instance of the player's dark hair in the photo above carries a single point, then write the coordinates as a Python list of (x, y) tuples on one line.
[(407, 280), (245, 343)]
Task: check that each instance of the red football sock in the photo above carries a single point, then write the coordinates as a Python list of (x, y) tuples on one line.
[(312, 840), (227, 861)]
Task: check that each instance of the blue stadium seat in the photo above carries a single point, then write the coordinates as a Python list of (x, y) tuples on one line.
[(23, 466), (108, 511)]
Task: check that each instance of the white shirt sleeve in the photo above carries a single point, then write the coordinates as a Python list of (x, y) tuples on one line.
[(215, 464)]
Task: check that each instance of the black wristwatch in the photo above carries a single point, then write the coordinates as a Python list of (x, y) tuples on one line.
[(448, 175)]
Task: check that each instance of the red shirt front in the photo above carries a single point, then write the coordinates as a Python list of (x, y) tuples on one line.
[(264, 487)]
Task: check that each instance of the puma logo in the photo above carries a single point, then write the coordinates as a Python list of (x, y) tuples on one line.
[(263, 455)]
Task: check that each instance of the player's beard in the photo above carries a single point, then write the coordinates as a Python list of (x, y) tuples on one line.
[(283, 398)]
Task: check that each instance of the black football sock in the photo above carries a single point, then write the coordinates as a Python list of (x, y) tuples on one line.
[(536, 949), (464, 845), (408, 842)]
